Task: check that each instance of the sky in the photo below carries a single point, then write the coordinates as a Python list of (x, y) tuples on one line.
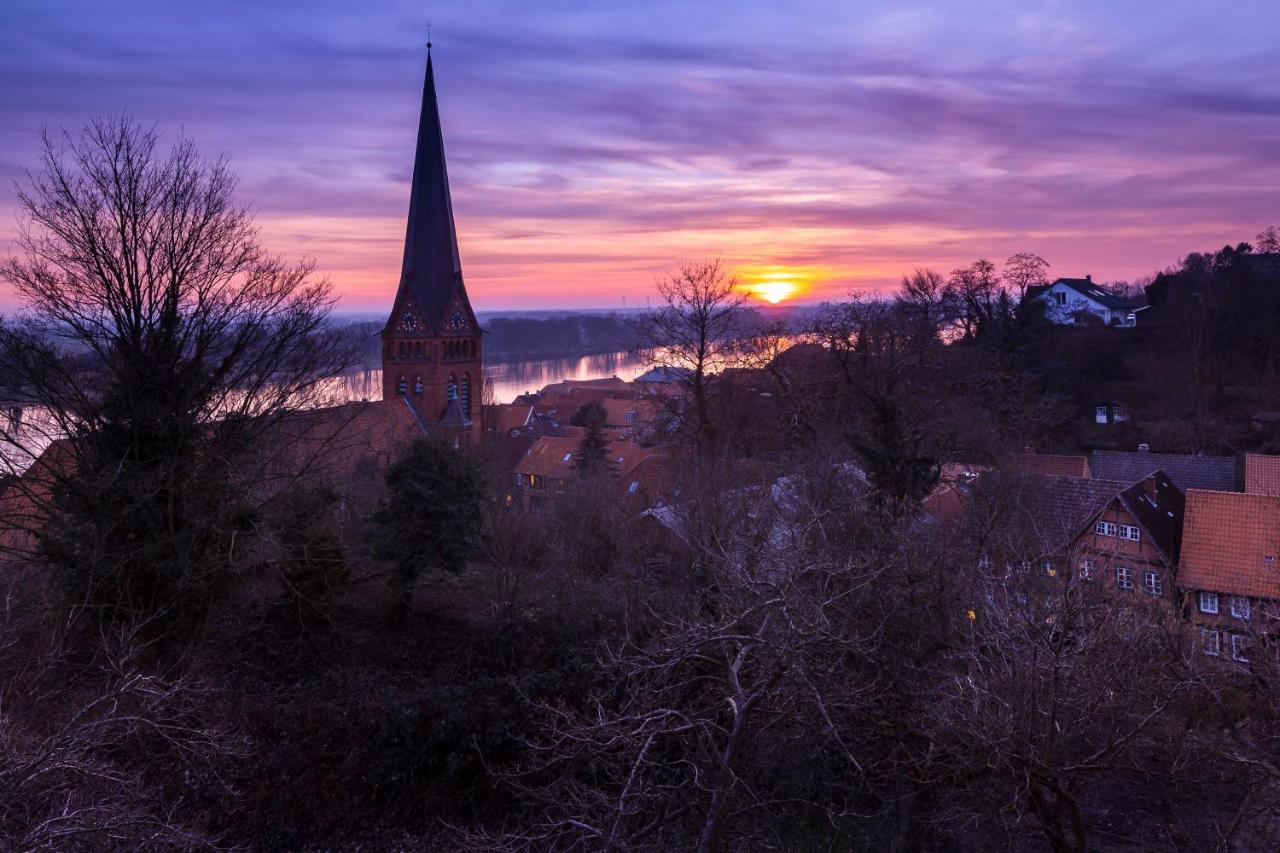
[(832, 145)]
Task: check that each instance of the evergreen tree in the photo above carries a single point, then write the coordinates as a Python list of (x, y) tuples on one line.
[(593, 451), (894, 458), (432, 517)]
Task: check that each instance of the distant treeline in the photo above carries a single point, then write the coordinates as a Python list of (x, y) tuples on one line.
[(557, 337), (562, 336)]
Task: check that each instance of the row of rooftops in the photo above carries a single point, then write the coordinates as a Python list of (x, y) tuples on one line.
[(1220, 538)]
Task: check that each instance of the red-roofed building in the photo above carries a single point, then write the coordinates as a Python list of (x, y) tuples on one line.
[(1230, 567), (547, 468), (1261, 474)]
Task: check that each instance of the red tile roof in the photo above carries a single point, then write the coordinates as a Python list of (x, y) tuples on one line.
[(1231, 543), (1261, 474), (1051, 465)]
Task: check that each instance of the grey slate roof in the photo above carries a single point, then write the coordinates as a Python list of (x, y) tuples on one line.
[(1052, 510), (432, 271), (1085, 287), (1217, 473)]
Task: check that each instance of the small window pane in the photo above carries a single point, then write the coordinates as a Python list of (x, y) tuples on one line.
[(1208, 602)]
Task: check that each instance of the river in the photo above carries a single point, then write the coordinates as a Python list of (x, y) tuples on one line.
[(506, 380)]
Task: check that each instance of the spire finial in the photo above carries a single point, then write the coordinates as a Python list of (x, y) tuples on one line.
[(428, 38)]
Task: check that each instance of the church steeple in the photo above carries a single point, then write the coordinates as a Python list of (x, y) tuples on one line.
[(432, 271), (431, 344)]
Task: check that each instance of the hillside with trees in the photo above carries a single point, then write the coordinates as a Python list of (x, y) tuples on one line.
[(234, 620)]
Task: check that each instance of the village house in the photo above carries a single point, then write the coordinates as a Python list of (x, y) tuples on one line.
[(1123, 537), (547, 469), (1229, 570), (1072, 301)]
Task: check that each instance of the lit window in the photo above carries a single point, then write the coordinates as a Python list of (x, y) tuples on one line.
[(1130, 532), (1049, 568), (1239, 607), (1105, 528), (1153, 583), (1087, 568), (1211, 642), (1124, 577), (1240, 648), (1208, 602)]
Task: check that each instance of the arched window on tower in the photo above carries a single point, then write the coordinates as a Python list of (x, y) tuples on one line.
[(401, 350), (417, 349), (466, 393), (401, 385), (453, 387), (417, 384)]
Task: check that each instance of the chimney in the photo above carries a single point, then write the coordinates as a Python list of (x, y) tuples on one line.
[(1088, 278), (1144, 448)]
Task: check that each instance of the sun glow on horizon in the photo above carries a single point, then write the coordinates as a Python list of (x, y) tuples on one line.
[(777, 284)]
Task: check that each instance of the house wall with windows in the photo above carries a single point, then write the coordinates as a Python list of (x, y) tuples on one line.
[(1116, 551), (1230, 569)]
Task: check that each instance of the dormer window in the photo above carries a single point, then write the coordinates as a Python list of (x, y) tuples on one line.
[(567, 457)]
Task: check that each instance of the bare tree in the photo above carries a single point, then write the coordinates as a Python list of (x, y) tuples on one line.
[(1268, 240), (976, 289), (696, 331), (1025, 270), (79, 745), (159, 342)]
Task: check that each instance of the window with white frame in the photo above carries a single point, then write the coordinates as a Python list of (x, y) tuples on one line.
[(1105, 528), (1208, 602), (1153, 583), (1210, 641), (1100, 415), (1130, 532), (1087, 568), (1124, 577), (1239, 607), (1240, 648)]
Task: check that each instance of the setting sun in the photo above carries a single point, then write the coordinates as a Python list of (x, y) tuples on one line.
[(776, 284)]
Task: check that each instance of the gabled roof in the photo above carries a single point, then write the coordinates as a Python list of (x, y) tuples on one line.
[(1053, 510), (552, 457), (432, 271), (1159, 507), (1261, 474), (507, 418), (1186, 471), (1231, 544), (1087, 289)]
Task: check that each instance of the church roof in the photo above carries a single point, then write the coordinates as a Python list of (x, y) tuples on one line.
[(432, 271)]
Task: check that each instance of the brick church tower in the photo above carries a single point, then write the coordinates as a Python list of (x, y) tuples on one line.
[(431, 343)]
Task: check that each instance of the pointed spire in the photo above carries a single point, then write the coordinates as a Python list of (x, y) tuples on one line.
[(432, 271)]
